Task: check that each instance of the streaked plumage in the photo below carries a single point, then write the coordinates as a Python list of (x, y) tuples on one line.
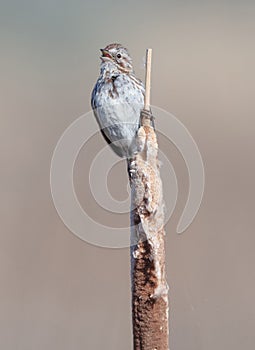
[(117, 100)]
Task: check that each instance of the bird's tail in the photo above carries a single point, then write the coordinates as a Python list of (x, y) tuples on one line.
[(129, 161)]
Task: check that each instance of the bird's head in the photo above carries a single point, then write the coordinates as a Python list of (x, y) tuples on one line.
[(119, 56)]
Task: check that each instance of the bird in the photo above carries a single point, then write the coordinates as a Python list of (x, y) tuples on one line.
[(117, 100)]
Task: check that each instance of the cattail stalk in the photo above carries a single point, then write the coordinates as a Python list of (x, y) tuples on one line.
[(148, 276)]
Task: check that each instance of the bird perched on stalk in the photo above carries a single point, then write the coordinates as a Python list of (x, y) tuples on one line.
[(117, 100)]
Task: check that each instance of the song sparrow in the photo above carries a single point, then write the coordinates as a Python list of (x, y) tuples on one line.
[(117, 100)]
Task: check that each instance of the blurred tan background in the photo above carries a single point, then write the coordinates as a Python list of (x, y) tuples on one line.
[(58, 292)]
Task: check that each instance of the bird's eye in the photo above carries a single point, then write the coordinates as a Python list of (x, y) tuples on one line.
[(118, 55)]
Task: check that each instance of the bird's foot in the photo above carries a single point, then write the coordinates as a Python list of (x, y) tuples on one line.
[(146, 118)]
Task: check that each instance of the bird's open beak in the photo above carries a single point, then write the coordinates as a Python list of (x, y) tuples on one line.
[(105, 53)]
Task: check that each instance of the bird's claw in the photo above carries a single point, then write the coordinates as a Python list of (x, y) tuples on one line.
[(145, 117)]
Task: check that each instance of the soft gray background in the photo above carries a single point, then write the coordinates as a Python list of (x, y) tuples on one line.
[(59, 293)]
